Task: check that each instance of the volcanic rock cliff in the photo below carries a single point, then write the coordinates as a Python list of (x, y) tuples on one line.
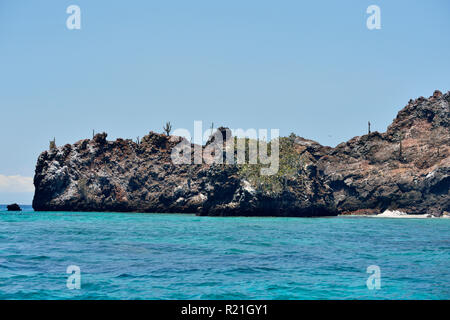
[(406, 168)]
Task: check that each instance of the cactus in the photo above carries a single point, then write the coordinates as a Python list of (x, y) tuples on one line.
[(400, 150), (369, 126), (52, 144), (167, 128), (212, 129)]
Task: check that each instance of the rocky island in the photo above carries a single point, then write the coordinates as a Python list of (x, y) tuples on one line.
[(406, 168), (13, 207)]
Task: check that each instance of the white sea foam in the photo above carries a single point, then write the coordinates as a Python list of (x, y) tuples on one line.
[(400, 214)]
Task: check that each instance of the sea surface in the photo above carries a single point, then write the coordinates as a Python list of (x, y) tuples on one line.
[(171, 256)]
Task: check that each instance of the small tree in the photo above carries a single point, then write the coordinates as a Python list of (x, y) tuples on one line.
[(167, 128), (369, 126), (292, 137)]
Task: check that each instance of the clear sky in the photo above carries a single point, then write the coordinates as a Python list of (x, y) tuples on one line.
[(309, 67)]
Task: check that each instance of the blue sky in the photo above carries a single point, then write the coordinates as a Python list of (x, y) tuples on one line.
[(312, 68)]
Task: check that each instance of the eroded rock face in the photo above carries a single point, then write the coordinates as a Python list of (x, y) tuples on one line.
[(100, 175), (406, 168)]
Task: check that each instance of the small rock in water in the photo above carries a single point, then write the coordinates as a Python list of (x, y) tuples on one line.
[(14, 207)]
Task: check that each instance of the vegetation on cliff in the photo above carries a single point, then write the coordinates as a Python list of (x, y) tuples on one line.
[(291, 167)]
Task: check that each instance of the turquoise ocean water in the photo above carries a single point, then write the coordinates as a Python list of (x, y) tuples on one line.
[(162, 256)]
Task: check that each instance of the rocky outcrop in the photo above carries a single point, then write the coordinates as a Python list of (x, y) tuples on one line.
[(406, 168), (13, 207)]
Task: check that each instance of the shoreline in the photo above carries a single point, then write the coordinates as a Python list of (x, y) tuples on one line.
[(396, 214), (393, 214)]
